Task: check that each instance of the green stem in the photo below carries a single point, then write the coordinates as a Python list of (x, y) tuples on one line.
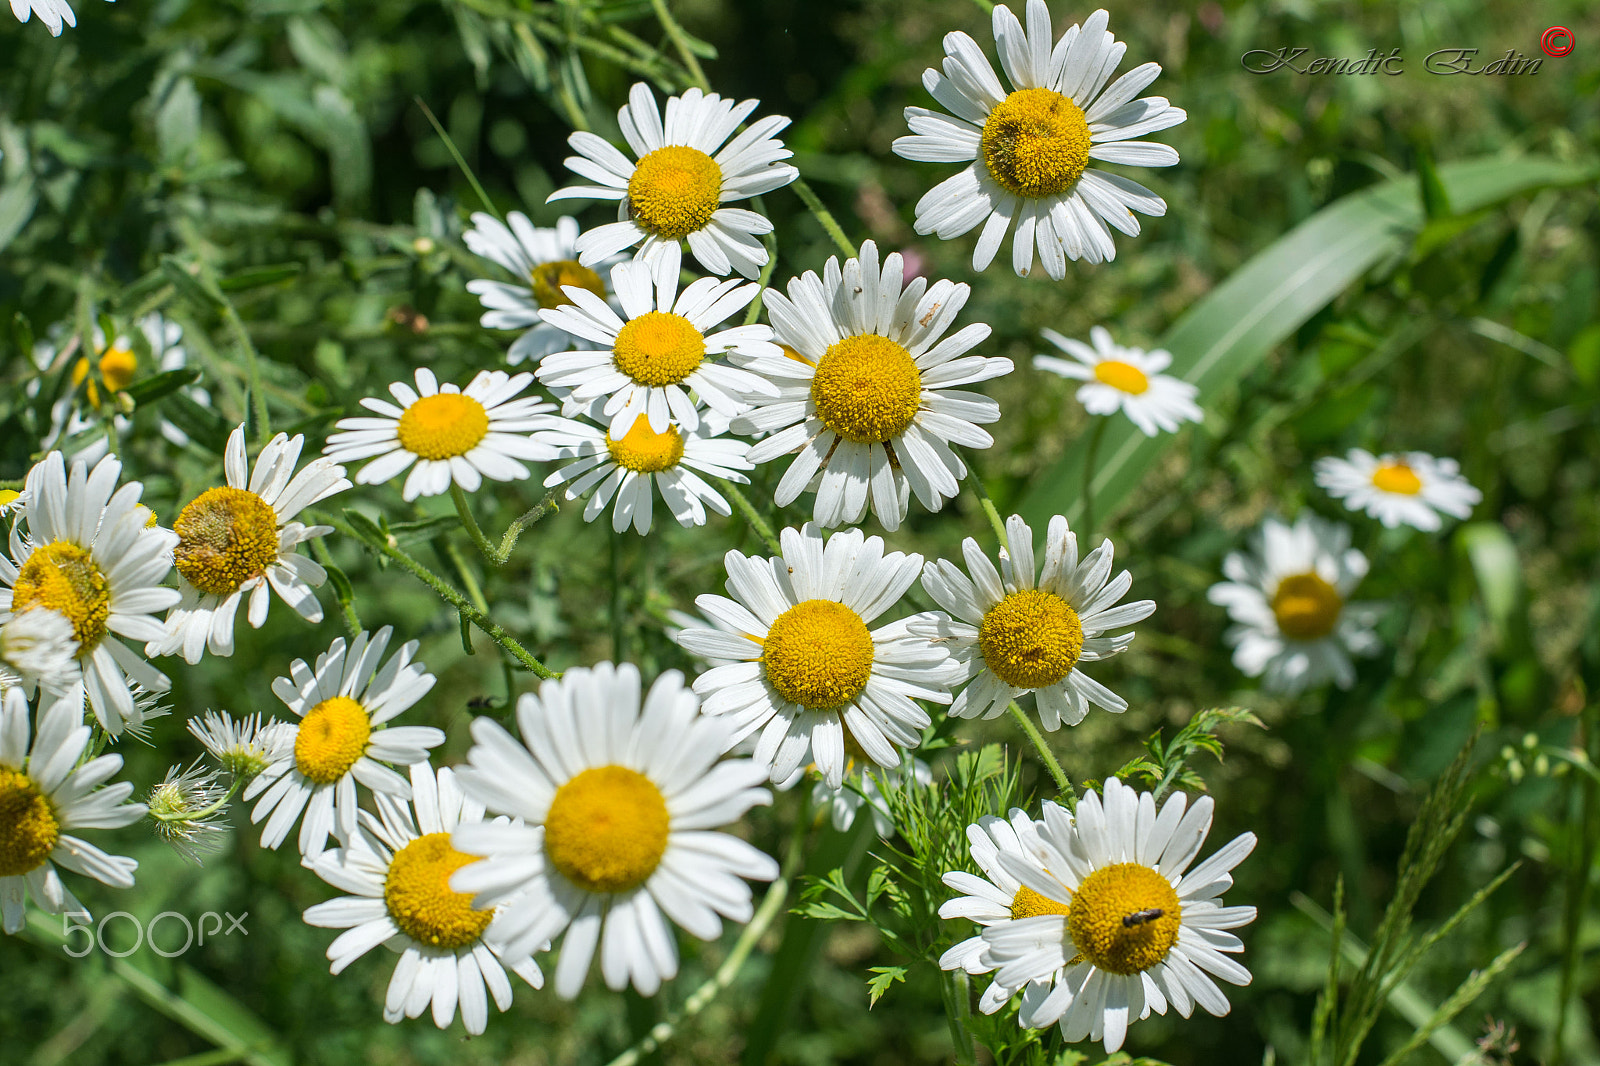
[(459, 561), (347, 606), (771, 906), (989, 509), (748, 512), (1088, 480), (829, 223), (499, 555), (680, 41), (1048, 757), (258, 395), (958, 1005), (770, 241), (618, 643), (449, 595), (450, 145)]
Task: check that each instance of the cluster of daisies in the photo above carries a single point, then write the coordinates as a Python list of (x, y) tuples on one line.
[(600, 824)]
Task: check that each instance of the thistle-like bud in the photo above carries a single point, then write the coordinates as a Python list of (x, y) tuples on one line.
[(187, 809), (246, 747)]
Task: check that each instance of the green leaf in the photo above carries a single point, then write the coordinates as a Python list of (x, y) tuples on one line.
[(256, 277), (154, 388), (882, 977), (1435, 200), (195, 288), (1232, 328), (1495, 565), (178, 121), (17, 201)]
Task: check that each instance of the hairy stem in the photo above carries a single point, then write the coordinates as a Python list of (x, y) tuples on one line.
[(1046, 756), (830, 224), (748, 512)]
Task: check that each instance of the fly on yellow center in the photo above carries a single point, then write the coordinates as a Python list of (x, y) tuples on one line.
[(64, 577), (1035, 143), (28, 826), (658, 348), (1398, 478), (1031, 639), (674, 191), (607, 829), (1030, 904), (818, 654), (419, 899), (225, 537), (867, 389), (331, 738), (1306, 606), (548, 279), (1124, 377), (443, 426), (644, 450), (1124, 918)]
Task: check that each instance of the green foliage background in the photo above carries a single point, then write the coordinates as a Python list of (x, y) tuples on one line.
[(280, 144)]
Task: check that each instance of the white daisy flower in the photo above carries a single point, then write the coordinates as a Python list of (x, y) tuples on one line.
[(44, 792), (94, 554), (1119, 923), (1124, 379), (242, 539), (866, 392), (662, 351), (1031, 148), (1412, 488), (1289, 600), (846, 801), (342, 739), (1013, 635), (804, 671), (38, 647), (677, 188), (246, 747), (398, 868), (53, 13), (12, 502), (452, 435), (620, 804), (633, 467), (996, 898), (545, 261)]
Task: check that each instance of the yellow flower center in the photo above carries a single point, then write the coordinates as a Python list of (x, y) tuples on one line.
[(867, 389), (117, 367), (1031, 639), (1036, 143), (9, 497), (418, 896), (674, 191), (644, 450), (1029, 904), (443, 425), (332, 736), (225, 537), (1397, 477), (1306, 607), (607, 829), (1125, 377), (1124, 918), (658, 348), (818, 654), (548, 279), (28, 826), (64, 577)]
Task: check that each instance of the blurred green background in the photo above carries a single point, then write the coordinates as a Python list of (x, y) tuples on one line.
[(282, 142)]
